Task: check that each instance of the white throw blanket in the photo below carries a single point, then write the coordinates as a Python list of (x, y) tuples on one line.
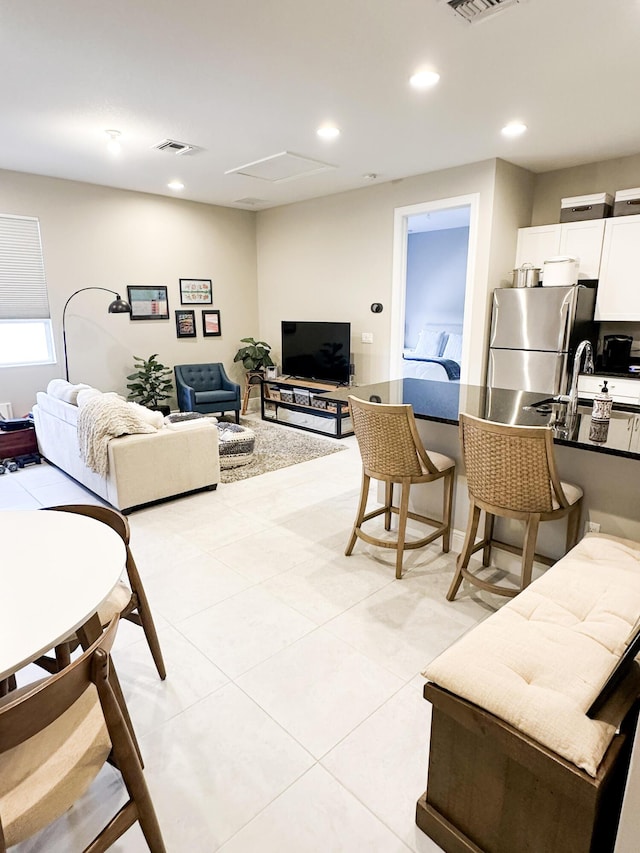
[(102, 418)]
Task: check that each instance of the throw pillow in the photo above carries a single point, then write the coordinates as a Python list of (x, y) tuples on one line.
[(429, 343), (65, 391), (57, 387), (85, 394), (453, 349), (147, 416)]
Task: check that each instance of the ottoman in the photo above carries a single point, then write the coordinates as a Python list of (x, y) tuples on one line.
[(236, 445)]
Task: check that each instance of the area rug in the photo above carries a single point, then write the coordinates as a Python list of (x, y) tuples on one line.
[(278, 447)]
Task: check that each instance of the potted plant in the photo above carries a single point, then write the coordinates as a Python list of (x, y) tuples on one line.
[(254, 357), (150, 384)]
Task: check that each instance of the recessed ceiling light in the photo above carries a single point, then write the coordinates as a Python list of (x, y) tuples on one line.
[(175, 185), (514, 128), (328, 131), (113, 145), (424, 79)]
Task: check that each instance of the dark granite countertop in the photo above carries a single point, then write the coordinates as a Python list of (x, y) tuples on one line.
[(443, 401)]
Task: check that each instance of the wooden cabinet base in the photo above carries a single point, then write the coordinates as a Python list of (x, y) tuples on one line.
[(492, 789), (17, 443)]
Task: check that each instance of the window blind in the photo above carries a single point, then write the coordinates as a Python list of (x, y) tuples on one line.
[(23, 288)]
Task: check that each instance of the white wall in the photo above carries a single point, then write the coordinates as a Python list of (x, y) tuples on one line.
[(436, 279), (330, 258), (111, 238), (605, 176), (324, 259)]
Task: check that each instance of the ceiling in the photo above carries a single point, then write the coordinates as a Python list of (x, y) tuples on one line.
[(243, 80)]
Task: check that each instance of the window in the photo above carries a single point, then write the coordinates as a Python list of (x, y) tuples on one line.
[(25, 324)]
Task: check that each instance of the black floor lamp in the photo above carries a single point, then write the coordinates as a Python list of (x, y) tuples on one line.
[(118, 306)]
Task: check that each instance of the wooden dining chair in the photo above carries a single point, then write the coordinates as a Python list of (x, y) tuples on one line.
[(55, 736), (130, 602), (511, 472), (393, 453)]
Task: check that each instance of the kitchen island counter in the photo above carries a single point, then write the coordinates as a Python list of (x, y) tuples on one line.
[(604, 470), (442, 402)]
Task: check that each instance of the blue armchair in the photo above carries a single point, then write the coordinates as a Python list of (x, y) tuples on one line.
[(207, 389)]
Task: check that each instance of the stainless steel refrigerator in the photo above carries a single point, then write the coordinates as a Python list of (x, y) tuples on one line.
[(534, 334)]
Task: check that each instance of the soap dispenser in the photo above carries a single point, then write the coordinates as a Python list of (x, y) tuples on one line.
[(602, 404)]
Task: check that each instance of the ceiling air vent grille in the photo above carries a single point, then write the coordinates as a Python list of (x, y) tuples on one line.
[(251, 202), (174, 147), (474, 10)]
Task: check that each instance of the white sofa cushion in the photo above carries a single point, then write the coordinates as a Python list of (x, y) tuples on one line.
[(63, 390), (541, 660), (58, 408)]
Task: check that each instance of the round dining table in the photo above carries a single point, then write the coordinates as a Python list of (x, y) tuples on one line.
[(56, 569)]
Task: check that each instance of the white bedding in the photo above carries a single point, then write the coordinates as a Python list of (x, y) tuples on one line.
[(425, 370), (436, 342)]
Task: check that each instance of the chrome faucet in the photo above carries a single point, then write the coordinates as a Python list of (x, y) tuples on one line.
[(572, 398)]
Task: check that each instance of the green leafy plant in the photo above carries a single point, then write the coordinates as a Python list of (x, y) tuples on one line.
[(151, 382), (255, 356)]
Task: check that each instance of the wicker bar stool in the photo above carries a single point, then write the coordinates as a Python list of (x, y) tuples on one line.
[(392, 452), (511, 472)]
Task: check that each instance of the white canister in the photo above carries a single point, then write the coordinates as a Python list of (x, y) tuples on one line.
[(560, 272)]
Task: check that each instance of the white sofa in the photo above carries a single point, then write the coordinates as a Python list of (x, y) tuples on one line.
[(142, 468)]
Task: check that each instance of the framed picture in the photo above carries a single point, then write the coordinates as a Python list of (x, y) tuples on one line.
[(148, 302), (196, 291), (211, 327), (271, 372), (186, 324)]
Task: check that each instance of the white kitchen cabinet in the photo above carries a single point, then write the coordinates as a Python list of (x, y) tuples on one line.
[(622, 390), (582, 240), (622, 431), (619, 288), (536, 244)]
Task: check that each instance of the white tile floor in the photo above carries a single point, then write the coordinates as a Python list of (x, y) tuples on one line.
[(292, 718)]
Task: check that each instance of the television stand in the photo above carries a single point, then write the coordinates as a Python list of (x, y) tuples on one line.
[(300, 403)]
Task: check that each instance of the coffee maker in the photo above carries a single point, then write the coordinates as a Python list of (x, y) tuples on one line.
[(616, 353)]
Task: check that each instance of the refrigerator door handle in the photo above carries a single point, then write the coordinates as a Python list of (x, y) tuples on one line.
[(566, 319)]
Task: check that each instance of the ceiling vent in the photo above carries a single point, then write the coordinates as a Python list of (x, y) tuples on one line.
[(475, 10), (174, 147), (251, 202), (284, 166)]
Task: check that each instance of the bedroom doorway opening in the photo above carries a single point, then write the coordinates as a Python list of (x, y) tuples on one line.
[(434, 251)]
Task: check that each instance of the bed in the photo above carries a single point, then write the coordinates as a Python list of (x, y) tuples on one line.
[(436, 355)]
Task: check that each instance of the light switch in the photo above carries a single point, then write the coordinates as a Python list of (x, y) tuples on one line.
[(367, 337)]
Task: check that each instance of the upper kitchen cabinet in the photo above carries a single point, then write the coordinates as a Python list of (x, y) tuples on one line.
[(582, 240), (618, 291), (537, 243)]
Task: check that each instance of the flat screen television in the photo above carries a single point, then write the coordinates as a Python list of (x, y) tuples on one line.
[(315, 350)]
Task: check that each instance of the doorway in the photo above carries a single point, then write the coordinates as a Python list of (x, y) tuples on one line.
[(434, 255)]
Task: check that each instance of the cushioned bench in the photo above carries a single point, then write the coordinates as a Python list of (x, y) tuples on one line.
[(515, 761)]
